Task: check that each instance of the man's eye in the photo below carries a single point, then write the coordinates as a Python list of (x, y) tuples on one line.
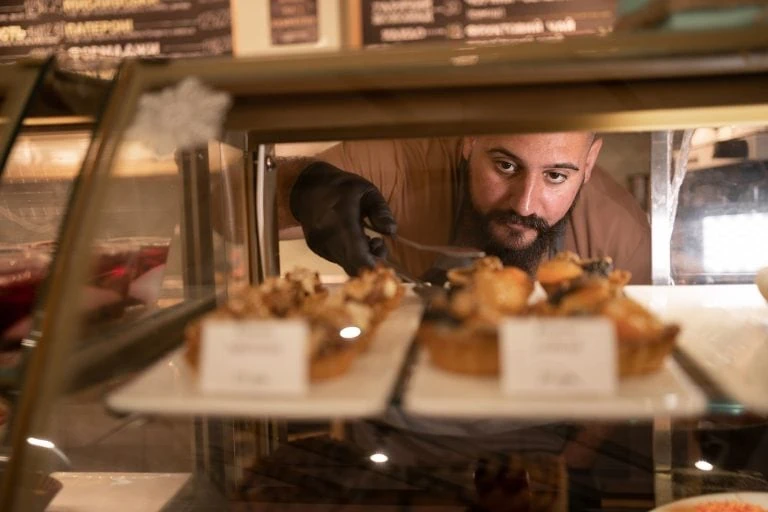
[(556, 177), (506, 167)]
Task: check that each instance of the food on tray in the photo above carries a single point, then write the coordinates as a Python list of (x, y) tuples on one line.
[(461, 276), (341, 325), (460, 326), (723, 506), (566, 271), (378, 288), (644, 341)]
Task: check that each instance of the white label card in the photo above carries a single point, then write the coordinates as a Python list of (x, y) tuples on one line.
[(254, 357), (558, 356)]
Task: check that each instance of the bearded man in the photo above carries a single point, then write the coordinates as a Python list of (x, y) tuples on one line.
[(519, 197)]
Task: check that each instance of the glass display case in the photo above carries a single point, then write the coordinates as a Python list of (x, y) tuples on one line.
[(17, 83), (139, 200)]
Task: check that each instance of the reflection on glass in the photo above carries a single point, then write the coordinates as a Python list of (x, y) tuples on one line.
[(729, 244), (722, 208), (127, 273)]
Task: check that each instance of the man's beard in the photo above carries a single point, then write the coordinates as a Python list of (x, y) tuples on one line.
[(474, 230), (528, 257)]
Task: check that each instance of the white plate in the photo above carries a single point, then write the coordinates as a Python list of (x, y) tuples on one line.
[(724, 331), (686, 505), (170, 386), (434, 392)]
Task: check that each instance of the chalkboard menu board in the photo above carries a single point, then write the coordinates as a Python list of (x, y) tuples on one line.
[(293, 21), (403, 21), (117, 28)]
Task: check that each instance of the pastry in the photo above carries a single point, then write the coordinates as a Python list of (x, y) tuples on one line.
[(337, 328), (594, 288), (460, 328), (379, 288), (567, 271), (471, 350), (336, 331), (462, 276), (643, 340)]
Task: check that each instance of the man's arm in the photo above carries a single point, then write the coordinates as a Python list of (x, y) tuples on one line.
[(330, 197), (288, 170)]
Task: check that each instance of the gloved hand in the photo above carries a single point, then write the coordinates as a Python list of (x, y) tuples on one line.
[(330, 205)]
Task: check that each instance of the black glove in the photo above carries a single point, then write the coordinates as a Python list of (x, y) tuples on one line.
[(330, 205)]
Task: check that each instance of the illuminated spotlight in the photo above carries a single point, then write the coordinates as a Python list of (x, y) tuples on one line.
[(350, 332), (379, 458), (704, 465), (42, 443)]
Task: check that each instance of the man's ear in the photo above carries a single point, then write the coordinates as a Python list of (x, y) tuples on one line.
[(466, 146), (594, 152)]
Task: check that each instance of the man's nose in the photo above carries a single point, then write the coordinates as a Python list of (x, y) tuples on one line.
[(526, 195)]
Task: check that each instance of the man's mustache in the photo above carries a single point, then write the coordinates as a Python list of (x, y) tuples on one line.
[(510, 216)]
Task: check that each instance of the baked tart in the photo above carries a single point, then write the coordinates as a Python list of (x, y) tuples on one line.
[(566, 271), (337, 328), (460, 326), (594, 288), (378, 288)]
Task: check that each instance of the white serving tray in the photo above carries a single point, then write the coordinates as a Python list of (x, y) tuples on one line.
[(434, 392), (724, 332), (116, 492), (170, 386)]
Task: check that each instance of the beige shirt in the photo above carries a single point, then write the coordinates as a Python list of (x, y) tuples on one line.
[(418, 178)]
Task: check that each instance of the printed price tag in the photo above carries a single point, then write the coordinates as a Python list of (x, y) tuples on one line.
[(254, 357), (574, 356)]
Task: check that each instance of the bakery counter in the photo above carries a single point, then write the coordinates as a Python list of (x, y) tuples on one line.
[(573, 390), (120, 492)]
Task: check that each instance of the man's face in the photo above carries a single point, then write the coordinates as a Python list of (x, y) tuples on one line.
[(523, 185)]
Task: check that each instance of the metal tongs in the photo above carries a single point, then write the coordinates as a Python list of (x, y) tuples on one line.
[(451, 251)]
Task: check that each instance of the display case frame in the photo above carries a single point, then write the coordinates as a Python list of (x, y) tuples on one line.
[(649, 82), (18, 83)]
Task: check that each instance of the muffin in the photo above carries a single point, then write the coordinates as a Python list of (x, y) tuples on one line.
[(378, 288), (337, 329), (594, 288), (566, 271), (460, 327)]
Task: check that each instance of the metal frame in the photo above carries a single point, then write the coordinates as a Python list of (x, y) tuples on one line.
[(18, 83), (621, 82), (661, 229), (196, 227)]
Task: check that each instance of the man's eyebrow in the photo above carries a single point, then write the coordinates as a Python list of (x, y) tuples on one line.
[(506, 153), (512, 156), (563, 165)]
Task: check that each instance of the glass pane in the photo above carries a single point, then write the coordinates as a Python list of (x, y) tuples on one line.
[(17, 84), (34, 194), (722, 207), (181, 228)]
